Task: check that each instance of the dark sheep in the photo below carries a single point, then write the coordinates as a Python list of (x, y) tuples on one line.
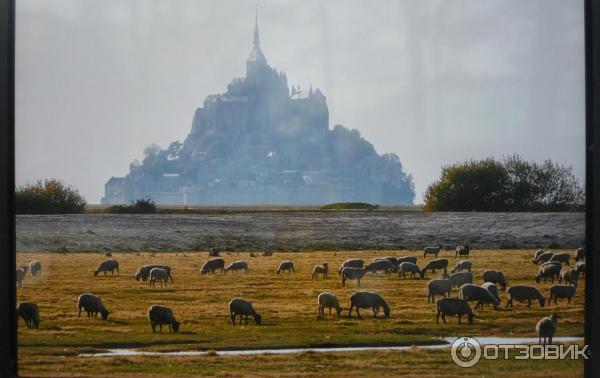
[(212, 265), (546, 328), (470, 292), (562, 291), (30, 313), (92, 305), (161, 315), (453, 307), (107, 266), (432, 251), (286, 265), (495, 276), (523, 293), (435, 264), (543, 257), (242, 307), (462, 251), (547, 271), (381, 266), (368, 299)]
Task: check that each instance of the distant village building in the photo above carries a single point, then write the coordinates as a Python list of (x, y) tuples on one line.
[(262, 143)]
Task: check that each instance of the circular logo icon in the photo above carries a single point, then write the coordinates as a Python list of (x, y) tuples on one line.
[(465, 351)]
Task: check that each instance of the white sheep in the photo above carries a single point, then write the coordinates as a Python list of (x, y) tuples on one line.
[(328, 300)]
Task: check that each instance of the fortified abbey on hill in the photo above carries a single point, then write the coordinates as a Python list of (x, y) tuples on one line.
[(261, 142)]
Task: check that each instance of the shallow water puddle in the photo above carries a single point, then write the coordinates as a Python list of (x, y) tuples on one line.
[(448, 341)]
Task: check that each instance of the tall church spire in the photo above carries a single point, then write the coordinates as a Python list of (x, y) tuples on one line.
[(256, 36), (256, 59)]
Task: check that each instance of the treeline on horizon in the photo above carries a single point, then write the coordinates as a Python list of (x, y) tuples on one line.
[(510, 184)]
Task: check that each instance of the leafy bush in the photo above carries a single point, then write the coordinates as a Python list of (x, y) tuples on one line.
[(140, 206), (510, 184), (349, 206), (50, 196)]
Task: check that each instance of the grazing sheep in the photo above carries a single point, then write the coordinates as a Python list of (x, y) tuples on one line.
[(546, 328), (432, 251), (470, 292), (161, 315), (253, 254), (108, 254), (435, 264), (537, 253), (459, 279), (328, 300), (562, 291), (391, 259), (462, 251), (213, 252), (237, 265), (242, 307), (491, 287), (350, 273), (543, 257), (368, 299), (320, 269), (267, 253), (568, 275), (452, 307), (410, 259), (286, 265), (20, 275), (438, 287), (351, 263), (213, 264), (158, 274), (107, 266), (92, 305), (462, 265), (495, 276), (408, 267), (547, 271), (35, 267), (144, 272), (580, 254), (523, 293), (580, 267), (30, 313), (562, 257), (381, 266)]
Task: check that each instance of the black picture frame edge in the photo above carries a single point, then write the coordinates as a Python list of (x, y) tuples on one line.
[(8, 335), (592, 175)]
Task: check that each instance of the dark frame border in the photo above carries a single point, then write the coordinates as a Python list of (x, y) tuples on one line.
[(8, 335), (8, 294), (592, 178)]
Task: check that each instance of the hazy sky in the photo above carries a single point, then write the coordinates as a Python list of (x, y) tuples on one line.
[(433, 81)]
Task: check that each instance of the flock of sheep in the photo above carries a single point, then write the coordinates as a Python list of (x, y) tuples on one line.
[(550, 267)]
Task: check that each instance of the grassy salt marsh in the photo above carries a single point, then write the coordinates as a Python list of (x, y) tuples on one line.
[(288, 306)]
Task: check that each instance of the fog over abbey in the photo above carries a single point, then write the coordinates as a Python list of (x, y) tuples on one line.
[(264, 142)]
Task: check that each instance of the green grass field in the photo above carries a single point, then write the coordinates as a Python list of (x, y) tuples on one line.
[(287, 304)]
